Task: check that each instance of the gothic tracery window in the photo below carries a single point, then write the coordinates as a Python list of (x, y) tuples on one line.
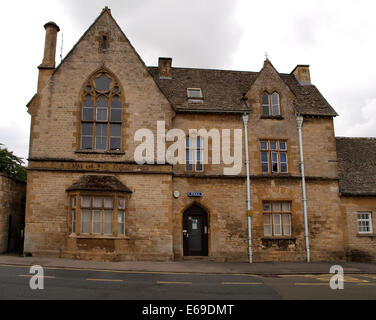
[(101, 120)]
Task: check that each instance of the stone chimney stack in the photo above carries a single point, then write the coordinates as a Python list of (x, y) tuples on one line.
[(48, 64), (301, 72), (50, 45), (164, 66)]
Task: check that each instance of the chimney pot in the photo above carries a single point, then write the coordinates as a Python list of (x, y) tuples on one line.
[(164, 66), (50, 45), (302, 73)]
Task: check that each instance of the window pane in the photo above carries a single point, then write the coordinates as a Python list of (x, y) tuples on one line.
[(87, 143), (108, 222), (286, 207), (115, 114), (276, 206), (85, 221), (87, 136), (188, 143), (103, 83), (199, 143), (199, 166), (88, 107), (287, 225), (115, 143), (97, 217), (121, 223), (121, 204), (274, 162), (264, 145), (73, 201), (73, 221), (275, 104), (268, 231), (115, 130), (116, 103), (275, 98), (277, 224), (267, 206), (87, 129), (273, 145), (85, 202), (265, 99), (265, 162), (100, 143), (109, 203), (282, 145), (87, 114), (97, 202), (102, 114), (101, 136), (194, 93), (283, 159)]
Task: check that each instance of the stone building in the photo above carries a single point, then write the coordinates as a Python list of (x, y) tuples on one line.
[(12, 214), (88, 196)]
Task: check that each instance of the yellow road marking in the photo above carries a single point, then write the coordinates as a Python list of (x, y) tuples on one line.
[(311, 284), (32, 275), (240, 283), (173, 282), (105, 280)]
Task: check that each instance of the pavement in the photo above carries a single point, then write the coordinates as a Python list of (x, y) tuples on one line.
[(192, 267)]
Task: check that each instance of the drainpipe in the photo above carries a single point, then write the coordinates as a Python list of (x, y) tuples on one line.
[(249, 212), (299, 122)]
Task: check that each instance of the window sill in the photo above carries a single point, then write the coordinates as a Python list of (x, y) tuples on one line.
[(279, 238), (275, 174), (90, 236), (272, 117), (112, 152), (362, 235)]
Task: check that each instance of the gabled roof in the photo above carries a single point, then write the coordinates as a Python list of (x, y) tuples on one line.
[(357, 166), (223, 89), (99, 183)]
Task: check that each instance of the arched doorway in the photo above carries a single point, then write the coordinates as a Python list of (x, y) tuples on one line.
[(195, 231)]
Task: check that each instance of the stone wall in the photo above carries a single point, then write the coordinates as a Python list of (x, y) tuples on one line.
[(148, 224), (12, 209), (359, 247)]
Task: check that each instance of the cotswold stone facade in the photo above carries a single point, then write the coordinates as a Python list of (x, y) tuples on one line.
[(12, 213), (88, 198)]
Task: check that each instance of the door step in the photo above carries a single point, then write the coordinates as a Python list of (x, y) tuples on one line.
[(199, 258)]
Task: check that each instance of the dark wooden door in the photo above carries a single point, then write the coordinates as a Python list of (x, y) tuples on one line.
[(195, 232)]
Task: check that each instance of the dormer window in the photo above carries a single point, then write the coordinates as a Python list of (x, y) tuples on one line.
[(270, 105), (194, 95)]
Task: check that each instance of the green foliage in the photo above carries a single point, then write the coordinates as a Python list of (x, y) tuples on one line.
[(11, 164)]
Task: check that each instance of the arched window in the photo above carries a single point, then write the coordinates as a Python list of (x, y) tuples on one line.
[(101, 121), (270, 104)]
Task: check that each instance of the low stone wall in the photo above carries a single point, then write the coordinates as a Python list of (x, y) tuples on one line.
[(12, 213)]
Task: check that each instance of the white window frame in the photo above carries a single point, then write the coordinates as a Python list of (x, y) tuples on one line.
[(194, 89), (279, 216), (192, 151), (368, 219)]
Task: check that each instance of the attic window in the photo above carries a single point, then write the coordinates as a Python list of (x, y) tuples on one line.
[(194, 93)]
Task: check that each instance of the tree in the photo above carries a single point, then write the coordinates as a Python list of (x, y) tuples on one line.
[(11, 164)]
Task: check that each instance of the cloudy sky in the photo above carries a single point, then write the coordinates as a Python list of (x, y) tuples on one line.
[(337, 39)]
